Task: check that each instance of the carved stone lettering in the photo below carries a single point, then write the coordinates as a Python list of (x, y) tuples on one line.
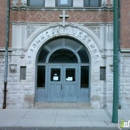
[(34, 45), (95, 51), (80, 34), (62, 29), (57, 29), (42, 37), (69, 30), (74, 31), (47, 33), (89, 41), (31, 50), (53, 31), (85, 37), (92, 46), (38, 41)]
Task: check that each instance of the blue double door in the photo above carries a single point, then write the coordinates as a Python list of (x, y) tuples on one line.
[(62, 83)]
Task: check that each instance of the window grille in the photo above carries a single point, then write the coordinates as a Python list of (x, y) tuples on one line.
[(103, 73), (23, 73)]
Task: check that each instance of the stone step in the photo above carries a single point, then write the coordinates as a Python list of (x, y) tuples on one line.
[(61, 105)]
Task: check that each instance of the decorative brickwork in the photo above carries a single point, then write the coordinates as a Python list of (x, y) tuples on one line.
[(53, 16)]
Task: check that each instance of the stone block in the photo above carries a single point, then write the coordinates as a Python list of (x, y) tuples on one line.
[(110, 99), (95, 102), (127, 88), (14, 106), (109, 105), (110, 88), (125, 106), (28, 101), (29, 78)]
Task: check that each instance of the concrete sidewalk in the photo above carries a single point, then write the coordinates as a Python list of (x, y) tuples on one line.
[(42, 118)]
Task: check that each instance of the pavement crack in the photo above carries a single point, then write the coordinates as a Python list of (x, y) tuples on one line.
[(88, 117), (22, 117), (108, 114), (56, 117), (106, 122)]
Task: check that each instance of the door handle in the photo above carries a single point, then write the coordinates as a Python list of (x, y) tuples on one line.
[(61, 86)]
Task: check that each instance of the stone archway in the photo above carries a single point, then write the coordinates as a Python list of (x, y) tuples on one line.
[(88, 38)]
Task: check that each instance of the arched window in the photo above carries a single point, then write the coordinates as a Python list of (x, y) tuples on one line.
[(63, 56), (62, 51)]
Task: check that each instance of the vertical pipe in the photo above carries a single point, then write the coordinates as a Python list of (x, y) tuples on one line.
[(115, 64), (119, 54), (6, 52)]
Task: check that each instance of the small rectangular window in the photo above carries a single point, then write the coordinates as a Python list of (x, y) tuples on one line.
[(35, 2), (84, 83), (55, 74), (92, 3), (103, 73), (70, 74), (41, 76), (23, 73), (64, 3)]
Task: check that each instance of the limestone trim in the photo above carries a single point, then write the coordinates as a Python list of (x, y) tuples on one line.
[(82, 34), (76, 26)]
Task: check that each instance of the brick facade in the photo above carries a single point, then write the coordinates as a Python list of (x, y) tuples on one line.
[(53, 16), (2, 23), (125, 24), (75, 16), (30, 29)]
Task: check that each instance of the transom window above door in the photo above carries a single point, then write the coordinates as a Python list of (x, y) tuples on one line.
[(63, 50)]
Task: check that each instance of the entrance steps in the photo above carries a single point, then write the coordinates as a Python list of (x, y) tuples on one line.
[(60, 105)]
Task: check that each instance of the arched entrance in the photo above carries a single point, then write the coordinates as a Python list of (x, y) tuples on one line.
[(62, 71)]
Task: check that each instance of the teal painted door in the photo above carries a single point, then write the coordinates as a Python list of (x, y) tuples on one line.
[(62, 84)]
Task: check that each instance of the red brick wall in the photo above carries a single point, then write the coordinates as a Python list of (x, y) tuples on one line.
[(48, 16), (125, 23), (2, 22), (53, 16)]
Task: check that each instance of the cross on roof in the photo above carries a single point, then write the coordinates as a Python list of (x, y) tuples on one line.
[(63, 16)]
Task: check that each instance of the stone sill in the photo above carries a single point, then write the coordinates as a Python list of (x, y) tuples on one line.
[(125, 50), (3, 49), (62, 8)]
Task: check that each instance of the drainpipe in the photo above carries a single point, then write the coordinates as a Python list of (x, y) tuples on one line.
[(119, 54), (6, 52), (115, 64)]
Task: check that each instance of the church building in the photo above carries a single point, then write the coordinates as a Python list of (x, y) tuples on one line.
[(62, 51)]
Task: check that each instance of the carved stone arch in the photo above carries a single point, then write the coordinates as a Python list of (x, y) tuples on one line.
[(82, 34), (82, 28)]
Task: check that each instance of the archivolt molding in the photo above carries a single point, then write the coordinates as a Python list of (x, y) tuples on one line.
[(85, 35), (60, 26)]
